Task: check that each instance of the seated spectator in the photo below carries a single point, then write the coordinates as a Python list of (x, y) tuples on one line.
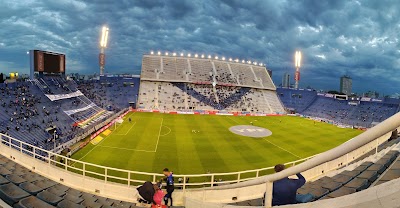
[(284, 190)]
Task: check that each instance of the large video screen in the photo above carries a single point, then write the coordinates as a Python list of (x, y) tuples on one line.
[(49, 62)]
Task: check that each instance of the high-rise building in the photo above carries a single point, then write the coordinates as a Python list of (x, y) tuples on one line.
[(286, 80), (346, 84)]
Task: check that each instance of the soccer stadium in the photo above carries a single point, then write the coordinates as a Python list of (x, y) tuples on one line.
[(191, 130)]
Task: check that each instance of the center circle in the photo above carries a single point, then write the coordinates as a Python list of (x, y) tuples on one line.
[(250, 131)]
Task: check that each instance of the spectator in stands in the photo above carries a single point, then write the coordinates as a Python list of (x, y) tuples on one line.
[(284, 190), (158, 195), (169, 179), (146, 193)]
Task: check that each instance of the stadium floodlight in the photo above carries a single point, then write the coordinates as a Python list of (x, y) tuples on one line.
[(158, 53), (216, 57), (223, 58), (103, 46), (181, 54), (151, 52), (104, 37), (209, 56), (166, 53), (297, 59), (189, 55), (174, 54), (297, 64), (236, 60), (243, 61), (202, 55), (255, 63), (230, 59), (196, 55)]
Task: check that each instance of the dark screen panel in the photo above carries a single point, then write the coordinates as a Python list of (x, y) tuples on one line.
[(49, 62)]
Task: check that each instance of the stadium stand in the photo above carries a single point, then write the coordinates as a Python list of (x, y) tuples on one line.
[(367, 171), (112, 93), (296, 100), (178, 83), (20, 187), (185, 96), (29, 108), (359, 113)]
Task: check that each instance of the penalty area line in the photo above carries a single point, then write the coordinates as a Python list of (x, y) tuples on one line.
[(127, 131), (283, 149)]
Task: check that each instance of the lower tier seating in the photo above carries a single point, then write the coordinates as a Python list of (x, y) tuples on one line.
[(19, 187)]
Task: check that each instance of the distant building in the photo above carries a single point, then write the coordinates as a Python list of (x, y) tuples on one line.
[(371, 94), (346, 84), (286, 80)]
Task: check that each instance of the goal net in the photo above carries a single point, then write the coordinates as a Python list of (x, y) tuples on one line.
[(118, 123)]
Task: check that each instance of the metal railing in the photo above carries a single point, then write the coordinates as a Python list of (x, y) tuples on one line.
[(233, 180), (133, 178), (343, 150)]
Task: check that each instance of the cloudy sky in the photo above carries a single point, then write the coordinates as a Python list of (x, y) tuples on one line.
[(359, 38)]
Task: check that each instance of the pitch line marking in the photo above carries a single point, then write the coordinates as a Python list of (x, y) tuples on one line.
[(283, 149), (99, 143), (233, 120), (121, 148), (167, 132), (127, 131), (158, 139), (92, 149)]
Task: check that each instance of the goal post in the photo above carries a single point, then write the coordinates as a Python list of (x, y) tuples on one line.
[(118, 122)]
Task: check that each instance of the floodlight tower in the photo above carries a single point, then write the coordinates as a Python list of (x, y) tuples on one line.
[(103, 45), (297, 63)]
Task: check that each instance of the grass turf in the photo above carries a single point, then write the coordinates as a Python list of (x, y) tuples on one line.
[(153, 141)]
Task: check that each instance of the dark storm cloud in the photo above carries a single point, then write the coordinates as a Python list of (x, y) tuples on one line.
[(358, 38)]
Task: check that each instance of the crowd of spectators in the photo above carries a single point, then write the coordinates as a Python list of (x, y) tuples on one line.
[(26, 113), (111, 94)]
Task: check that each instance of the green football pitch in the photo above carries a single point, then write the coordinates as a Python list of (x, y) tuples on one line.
[(197, 144)]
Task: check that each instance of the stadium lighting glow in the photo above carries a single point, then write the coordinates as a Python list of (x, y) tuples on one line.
[(297, 56), (166, 53), (158, 53), (261, 64), (223, 58), (236, 60), (195, 55), (242, 61), (151, 52), (174, 54), (104, 37), (216, 57), (255, 63), (230, 59), (297, 63), (202, 55), (181, 54), (209, 56), (189, 55)]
